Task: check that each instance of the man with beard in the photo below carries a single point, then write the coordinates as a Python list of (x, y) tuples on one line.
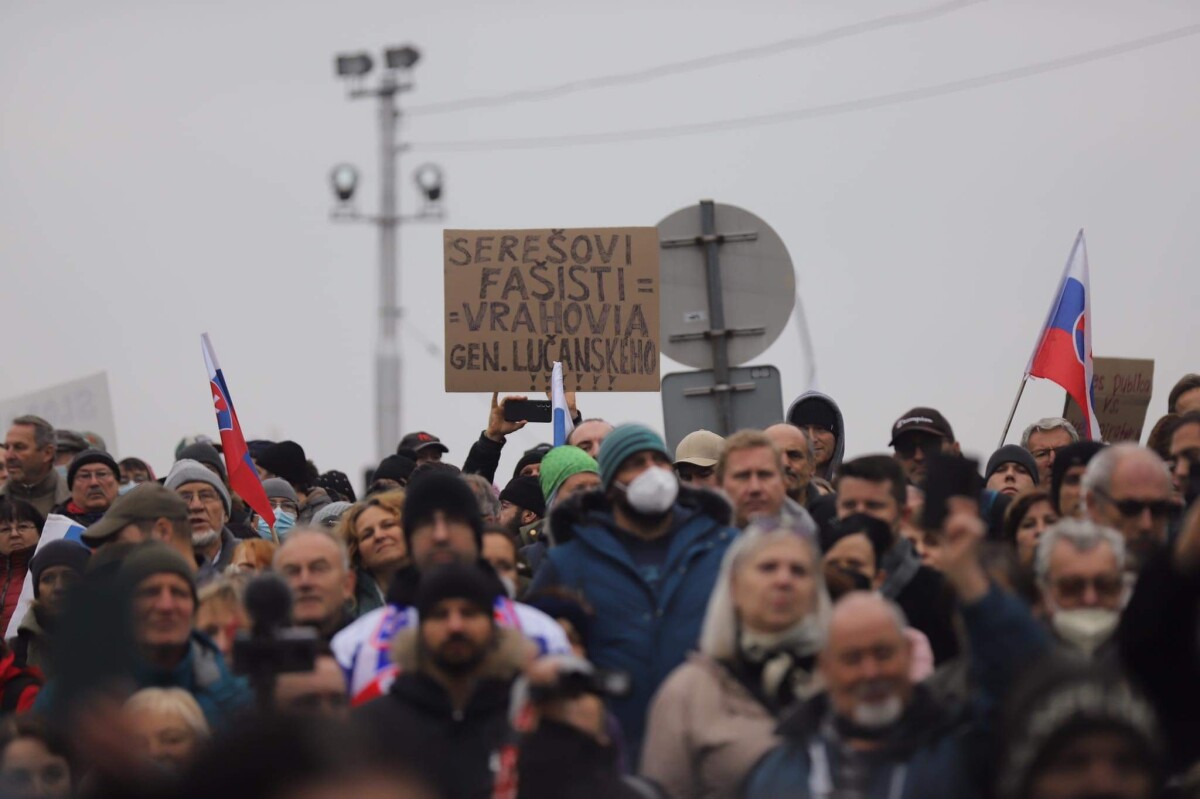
[(521, 504), (447, 712), (874, 733), (644, 552), (209, 506)]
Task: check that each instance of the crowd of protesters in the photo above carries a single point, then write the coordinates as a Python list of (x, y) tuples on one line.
[(754, 616)]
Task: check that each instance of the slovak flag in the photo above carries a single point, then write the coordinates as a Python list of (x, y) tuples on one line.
[(563, 426), (1064, 350), (243, 477)]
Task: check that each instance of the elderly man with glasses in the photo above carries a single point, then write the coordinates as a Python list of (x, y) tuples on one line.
[(1128, 488), (1080, 570)]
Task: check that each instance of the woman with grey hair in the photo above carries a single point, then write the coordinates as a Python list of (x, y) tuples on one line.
[(715, 715)]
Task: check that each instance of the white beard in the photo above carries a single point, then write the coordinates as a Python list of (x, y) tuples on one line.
[(205, 539), (874, 715)]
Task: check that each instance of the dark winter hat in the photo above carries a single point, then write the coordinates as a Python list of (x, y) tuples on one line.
[(91, 456), (923, 420), (440, 491), (156, 558), (257, 447), (287, 460), (1078, 454), (58, 553), (814, 411), (456, 581), (278, 488), (206, 453), (145, 503), (395, 467), (1011, 453), (422, 440), (338, 483), (532, 455), (879, 533), (525, 492), (623, 441)]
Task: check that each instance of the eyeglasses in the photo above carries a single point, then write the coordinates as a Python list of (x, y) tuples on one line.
[(207, 497), (928, 444), (23, 528), (286, 505), (1106, 586), (1159, 508), (99, 475)]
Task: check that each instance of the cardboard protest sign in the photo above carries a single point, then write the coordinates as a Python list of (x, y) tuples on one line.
[(82, 404), (519, 300), (1121, 392)]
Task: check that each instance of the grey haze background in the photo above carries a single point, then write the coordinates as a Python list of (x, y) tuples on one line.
[(163, 172)]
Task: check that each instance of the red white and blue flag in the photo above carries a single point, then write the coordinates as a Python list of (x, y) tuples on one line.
[(243, 476), (1064, 350)]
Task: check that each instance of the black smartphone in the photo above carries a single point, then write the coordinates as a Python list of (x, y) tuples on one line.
[(948, 476), (518, 410)]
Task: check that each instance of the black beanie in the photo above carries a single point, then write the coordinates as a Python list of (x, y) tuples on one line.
[(336, 482), (91, 456), (456, 581), (438, 490), (533, 455), (1011, 453), (287, 460), (395, 467), (1078, 454), (814, 411), (153, 558), (58, 553), (525, 492)]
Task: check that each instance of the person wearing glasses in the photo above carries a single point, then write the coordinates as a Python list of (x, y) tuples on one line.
[(1043, 439), (94, 479), (1128, 487), (20, 529), (1080, 566), (208, 507)]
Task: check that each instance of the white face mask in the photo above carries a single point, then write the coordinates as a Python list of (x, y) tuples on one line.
[(1085, 628), (653, 492)]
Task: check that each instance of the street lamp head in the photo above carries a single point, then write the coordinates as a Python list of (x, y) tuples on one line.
[(428, 178), (401, 57), (344, 179), (353, 65)]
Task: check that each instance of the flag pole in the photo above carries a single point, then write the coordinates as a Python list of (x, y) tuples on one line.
[(1013, 412)]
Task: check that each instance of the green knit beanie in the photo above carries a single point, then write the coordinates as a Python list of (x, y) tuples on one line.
[(559, 464), (156, 558), (623, 441)]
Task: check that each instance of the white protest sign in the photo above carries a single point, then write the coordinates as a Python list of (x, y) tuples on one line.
[(78, 405), (57, 528)]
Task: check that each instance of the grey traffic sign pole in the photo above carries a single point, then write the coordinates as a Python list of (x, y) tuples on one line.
[(717, 334)]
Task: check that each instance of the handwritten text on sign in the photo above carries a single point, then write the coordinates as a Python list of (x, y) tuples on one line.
[(519, 300)]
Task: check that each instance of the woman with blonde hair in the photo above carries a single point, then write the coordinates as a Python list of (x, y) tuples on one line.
[(168, 726), (221, 615), (374, 535), (252, 556), (715, 715)]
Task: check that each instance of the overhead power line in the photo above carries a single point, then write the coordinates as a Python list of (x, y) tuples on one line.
[(691, 64), (812, 112)]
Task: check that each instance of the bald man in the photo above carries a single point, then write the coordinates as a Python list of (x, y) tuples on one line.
[(1129, 488), (799, 461)]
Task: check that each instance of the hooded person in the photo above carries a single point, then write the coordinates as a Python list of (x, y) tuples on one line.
[(442, 525), (55, 566), (821, 418)]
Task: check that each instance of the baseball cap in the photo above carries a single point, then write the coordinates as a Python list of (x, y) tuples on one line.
[(147, 502), (422, 440), (701, 448), (922, 420)]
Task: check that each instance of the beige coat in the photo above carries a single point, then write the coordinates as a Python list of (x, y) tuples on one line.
[(705, 732)]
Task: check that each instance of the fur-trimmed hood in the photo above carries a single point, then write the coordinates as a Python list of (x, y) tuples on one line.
[(512, 651), (593, 507)]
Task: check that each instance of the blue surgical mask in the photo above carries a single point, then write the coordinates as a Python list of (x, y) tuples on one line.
[(284, 522)]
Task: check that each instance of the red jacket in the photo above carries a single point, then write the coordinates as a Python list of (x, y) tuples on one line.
[(19, 685), (12, 577)]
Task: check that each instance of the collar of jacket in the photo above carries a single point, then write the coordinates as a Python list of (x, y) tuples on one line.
[(503, 662), (593, 507), (199, 668), (47, 485)]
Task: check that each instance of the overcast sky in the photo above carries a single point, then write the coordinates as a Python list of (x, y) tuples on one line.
[(163, 172)]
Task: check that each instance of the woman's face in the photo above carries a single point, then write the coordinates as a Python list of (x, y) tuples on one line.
[(1039, 517), (164, 737), (28, 768), (245, 562), (775, 587), (17, 535), (498, 550), (381, 544), (221, 622)]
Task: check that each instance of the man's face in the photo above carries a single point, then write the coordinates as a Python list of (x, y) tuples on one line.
[(1042, 444), (914, 449), (320, 692), (95, 487), (1011, 479), (1070, 494), (1185, 447), (163, 610), (1083, 579), (589, 436), (428, 454), (856, 495), (693, 475), (457, 635), (320, 582), (754, 483), (639, 462), (853, 553), (1188, 401), (866, 664), (1094, 764), (441, 540), (25, 461), (1138, 505), (797, 466), (52, 587), (206, 511), (514, 517), (824, 444)]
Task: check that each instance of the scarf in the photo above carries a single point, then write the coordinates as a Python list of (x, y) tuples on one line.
[(900, 564), (784, 659)]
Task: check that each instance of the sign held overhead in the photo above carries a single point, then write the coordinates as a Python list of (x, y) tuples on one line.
[(519, 300)]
